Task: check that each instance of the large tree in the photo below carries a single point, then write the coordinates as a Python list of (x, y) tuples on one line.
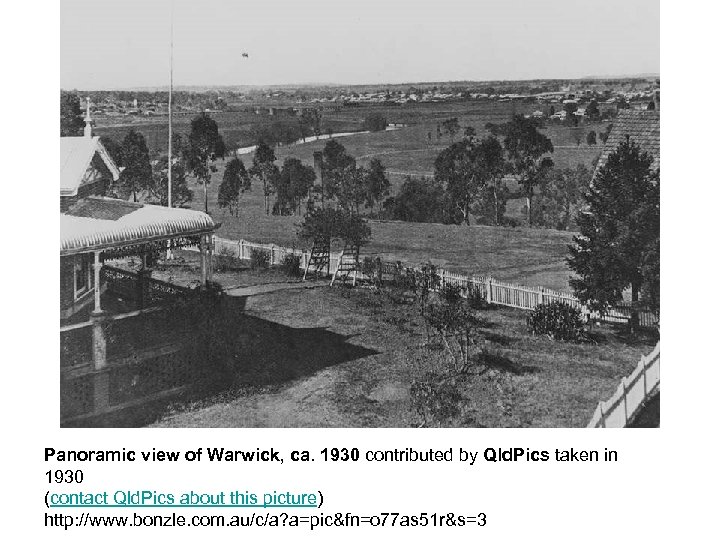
[(181, 193), (418, 200), (137, 174), (465, 169), (265, 170), (204, 144), (292, 185), (560, 197), (377, 185), (526, 147), (335, 162), (618, 246), (236, 181), (71, 118)]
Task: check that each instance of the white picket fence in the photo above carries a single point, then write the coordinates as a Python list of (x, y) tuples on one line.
[(493, 291), (631, 394)]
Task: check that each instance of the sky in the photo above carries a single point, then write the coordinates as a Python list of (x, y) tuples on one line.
[(106, 44)]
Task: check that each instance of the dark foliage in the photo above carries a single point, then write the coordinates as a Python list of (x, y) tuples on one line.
[(290, 265), (556, 320), (259, 259)]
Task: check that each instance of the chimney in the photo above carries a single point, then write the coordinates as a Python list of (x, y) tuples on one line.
[(88, 120)]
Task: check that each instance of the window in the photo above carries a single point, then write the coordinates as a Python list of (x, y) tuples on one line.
[(82, 270)]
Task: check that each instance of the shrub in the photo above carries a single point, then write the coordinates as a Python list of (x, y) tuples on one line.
[(259, 259), (291, 265), (372, 268), (225, 260), (437, 401), (476, 298), (451, 292), (556, 320)]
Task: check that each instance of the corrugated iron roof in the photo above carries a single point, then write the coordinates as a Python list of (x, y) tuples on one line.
[(84, 233), (643, 127)]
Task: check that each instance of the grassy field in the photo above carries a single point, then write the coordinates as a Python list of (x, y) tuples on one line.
[(347, 358), (519, 255), (526, 256)]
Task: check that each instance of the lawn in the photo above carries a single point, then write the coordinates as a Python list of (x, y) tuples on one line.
[(334, 357)]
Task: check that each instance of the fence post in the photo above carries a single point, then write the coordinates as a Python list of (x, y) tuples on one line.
[(624, 387), (242, 248), (643, 359), (442, 278), (488, 290), (272, 254), (541, 296)]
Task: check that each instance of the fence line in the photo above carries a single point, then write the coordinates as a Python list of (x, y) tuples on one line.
[(631, 394), (493, 291)]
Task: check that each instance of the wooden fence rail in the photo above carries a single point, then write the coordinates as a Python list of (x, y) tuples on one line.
[(493, 291), (631, 394)]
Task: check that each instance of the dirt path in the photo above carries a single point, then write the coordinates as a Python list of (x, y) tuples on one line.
[(252, 290)]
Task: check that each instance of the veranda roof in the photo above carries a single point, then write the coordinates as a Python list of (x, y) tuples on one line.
[(100, 223)]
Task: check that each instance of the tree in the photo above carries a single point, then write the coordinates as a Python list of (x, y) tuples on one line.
[(419, 200), (292, 185), (465, 168), (618, 244), (205, 143), (570, 107), (265, 170), (526, 146), (561, 196), (377, 184), (592, 111), (591, 138), (71, 117), (451, 126), (181, 193), (235, 182), (335, 160), (328, 224), (375, 122), (137, 173)]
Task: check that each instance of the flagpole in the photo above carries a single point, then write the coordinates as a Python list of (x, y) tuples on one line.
[(170, 133), (169, 255)]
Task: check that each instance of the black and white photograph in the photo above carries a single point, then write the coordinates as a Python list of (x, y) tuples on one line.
[(315, 214)]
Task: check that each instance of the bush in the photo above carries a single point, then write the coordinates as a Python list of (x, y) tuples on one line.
[(291, 265), (476, 298), (437, 401), (225, 260), (556, 320), (259, 259), (451, 292), (372, 268)]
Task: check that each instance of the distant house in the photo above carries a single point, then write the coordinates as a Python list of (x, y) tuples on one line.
[(642, 127)]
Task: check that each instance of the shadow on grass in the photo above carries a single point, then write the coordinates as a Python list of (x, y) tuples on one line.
[(496, 361), (239, 351)]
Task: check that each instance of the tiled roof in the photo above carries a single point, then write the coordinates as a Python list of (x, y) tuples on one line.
[(643, 127), (88, 232), (76, 153)]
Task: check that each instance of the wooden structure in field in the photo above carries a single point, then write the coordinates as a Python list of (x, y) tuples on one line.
[(348, 263), (319, 258)]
